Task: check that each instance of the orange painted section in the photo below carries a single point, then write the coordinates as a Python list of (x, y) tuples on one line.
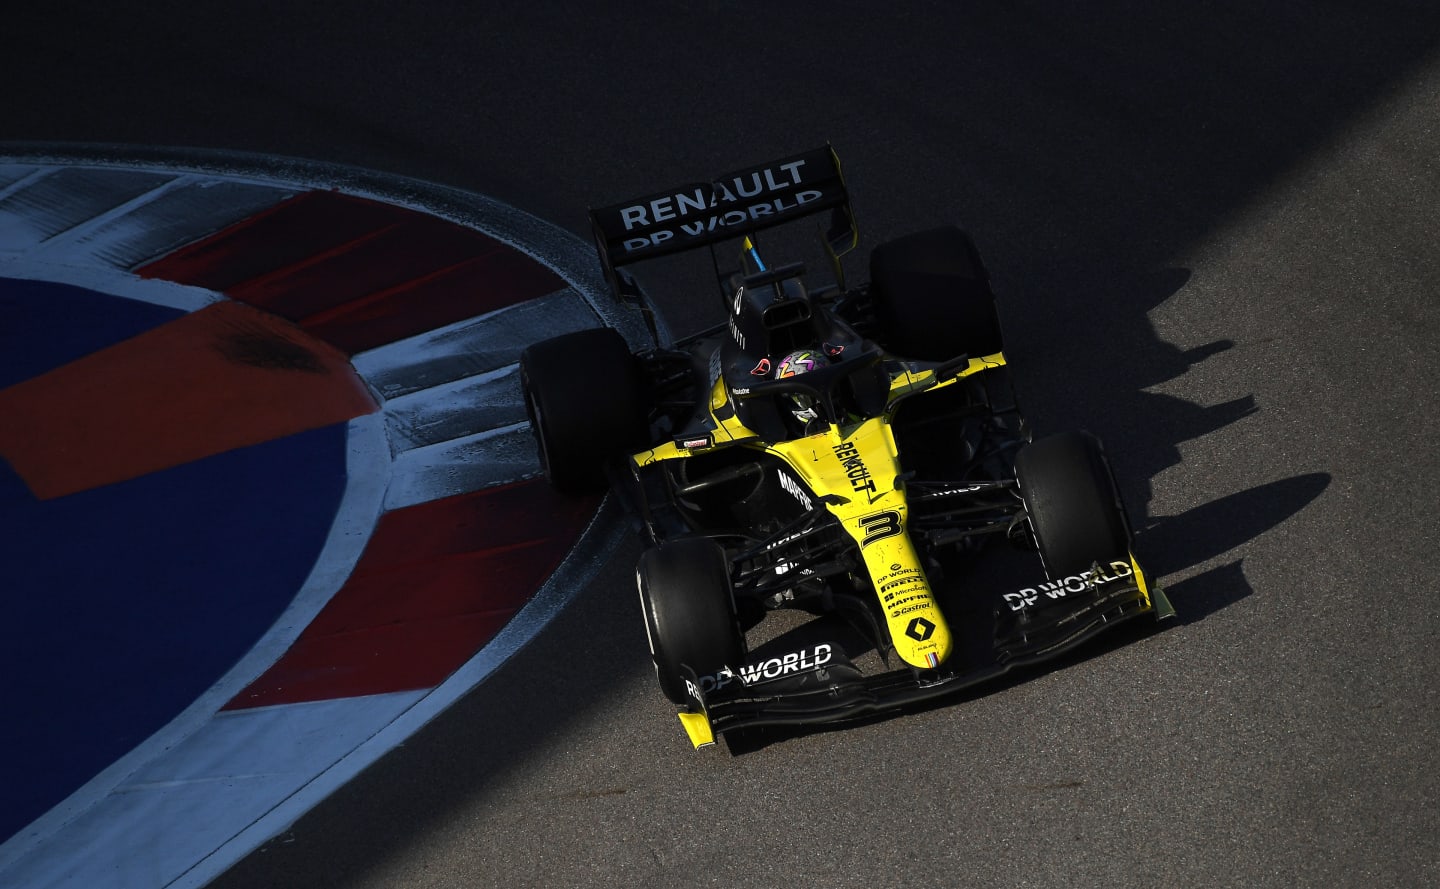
[(224, 377)]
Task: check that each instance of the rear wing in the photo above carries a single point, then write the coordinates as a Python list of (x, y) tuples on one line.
[(732, 205)]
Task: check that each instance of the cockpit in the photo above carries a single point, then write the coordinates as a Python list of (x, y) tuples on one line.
[(792, 369)]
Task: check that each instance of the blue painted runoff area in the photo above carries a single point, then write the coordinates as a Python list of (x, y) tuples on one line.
[(120, 605)]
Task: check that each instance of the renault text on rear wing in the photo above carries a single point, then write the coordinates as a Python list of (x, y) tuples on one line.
[(730, 206)]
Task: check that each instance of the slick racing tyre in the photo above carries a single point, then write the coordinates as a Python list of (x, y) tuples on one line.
[(689, 612), (1073, 504), (585, 395), (932, 297)]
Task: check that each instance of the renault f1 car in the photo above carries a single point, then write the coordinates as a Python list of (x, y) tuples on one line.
[(842, 451)]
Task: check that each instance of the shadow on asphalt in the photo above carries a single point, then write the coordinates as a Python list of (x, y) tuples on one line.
[(1214, 529)]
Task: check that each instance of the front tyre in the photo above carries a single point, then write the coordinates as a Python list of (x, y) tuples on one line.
[(689, 612), (586, 398), (1073, 504)]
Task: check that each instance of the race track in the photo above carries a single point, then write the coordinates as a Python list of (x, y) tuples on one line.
[(1214, 232)]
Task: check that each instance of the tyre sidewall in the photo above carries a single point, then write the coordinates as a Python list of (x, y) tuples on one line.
[(1072, 503), (689, 612)]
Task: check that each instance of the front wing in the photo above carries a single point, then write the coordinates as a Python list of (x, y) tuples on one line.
[(822, 686)]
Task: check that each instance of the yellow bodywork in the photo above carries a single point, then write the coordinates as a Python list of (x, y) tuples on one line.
[(698, 729), (857, 470), (854, 469)]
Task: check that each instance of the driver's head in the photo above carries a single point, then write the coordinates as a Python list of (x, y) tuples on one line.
[(800, 362), (794, 364)]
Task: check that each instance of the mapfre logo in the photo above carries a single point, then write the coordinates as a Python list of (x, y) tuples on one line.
[(796, 490)]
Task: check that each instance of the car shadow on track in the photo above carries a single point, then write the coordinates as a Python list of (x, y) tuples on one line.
[(1103, 378), (1114, 384), (1219, 527)]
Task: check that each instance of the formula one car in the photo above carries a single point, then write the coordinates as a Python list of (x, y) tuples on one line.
[(840, 451)]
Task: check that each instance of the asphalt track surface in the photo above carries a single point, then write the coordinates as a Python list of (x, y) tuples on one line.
[(1214, 231)]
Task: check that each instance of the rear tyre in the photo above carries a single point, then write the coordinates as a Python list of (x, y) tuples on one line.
[(585, 395), (689, 612), (1073, 504), (932, 297)]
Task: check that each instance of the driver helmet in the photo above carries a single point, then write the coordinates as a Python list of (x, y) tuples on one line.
[(794, 364)]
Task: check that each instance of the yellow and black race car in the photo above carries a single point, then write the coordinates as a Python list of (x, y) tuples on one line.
[(845, 452)]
